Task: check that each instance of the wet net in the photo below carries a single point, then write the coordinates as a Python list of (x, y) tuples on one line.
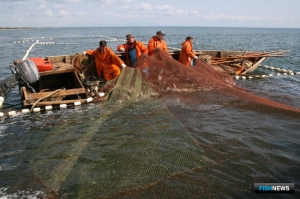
[(166, 76), (145, 142)]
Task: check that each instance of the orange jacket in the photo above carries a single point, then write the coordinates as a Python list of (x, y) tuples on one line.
[(154, 43), (140, 49), (186, 53), (105, 60)]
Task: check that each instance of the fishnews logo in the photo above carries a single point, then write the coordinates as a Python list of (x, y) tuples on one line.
[(274, 187)]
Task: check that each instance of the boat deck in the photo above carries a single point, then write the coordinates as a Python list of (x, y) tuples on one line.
[(59, 67), (61, 85)]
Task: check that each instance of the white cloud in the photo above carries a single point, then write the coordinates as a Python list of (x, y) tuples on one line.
[(180, 11), (48, 13), (108, 2), (171, 10), (41, 6), (125, 7), (144, 6), (80, 13), (65, 1), (126, 1), (216, 17), (58, 6), (166, 8), (142, 12), (63, 13)]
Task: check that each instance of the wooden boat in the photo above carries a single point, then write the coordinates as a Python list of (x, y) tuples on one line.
[(64, 85), (233, 62)]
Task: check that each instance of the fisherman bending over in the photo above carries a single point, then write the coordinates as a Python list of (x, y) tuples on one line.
[(107, 62)]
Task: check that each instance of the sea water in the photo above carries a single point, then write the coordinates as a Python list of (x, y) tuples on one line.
[(241, 147)]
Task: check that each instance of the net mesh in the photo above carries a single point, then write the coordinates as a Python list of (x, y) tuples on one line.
[(126, 147), (166, 76), (185, 91), (146, 144)]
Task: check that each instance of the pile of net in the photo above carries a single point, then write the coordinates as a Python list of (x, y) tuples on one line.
[(167, 77)]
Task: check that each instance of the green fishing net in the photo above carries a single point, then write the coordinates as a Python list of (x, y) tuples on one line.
[(132, 143)]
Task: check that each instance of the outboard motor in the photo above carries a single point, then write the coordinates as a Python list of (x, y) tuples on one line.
[(27, 71), (24, 72)]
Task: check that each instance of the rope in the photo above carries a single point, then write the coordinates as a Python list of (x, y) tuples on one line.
[(44, 98), (27, 53)]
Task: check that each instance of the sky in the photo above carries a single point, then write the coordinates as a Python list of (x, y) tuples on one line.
[(131, 13)]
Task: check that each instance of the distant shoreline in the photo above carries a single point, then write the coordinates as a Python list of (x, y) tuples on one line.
[(19, 28)]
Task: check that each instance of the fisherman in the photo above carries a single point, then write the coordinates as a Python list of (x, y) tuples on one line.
[(133, 48), (107, 62), (187, 55), (157, 42)]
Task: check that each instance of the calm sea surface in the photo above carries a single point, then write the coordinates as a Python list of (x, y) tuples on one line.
[(92, 152)]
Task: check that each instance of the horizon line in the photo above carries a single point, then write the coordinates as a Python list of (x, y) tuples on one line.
[(24, 27)]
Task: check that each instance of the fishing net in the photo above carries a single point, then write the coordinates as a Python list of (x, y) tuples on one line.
[(125, 147), (186, 92), (166, 77), (145, 142)]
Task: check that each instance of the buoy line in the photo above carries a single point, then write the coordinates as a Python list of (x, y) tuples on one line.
[(33, 39), (280, 72), (12, 113), (108, 39), (52, 43)]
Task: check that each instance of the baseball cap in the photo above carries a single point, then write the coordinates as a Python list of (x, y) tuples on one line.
[(129, 35), (160, 32)]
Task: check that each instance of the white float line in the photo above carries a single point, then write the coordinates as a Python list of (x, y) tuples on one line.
[(244, 77), (281, 70), (46, 108), (54, 43), (252, 77), (32, 39), (49, 43), (256, 76), (68, 36)]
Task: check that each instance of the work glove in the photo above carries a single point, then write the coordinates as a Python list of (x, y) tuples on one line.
[(122, 49), (84, 52), (195, 57), (123, 65), (101, 94)]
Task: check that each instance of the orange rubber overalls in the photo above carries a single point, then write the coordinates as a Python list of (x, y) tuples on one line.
[(156, 43), (186, 53), (107, 63)]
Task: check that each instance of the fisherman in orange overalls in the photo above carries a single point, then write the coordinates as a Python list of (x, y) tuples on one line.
[(107, 62), (186, 54), (157, 42), (133, 48)]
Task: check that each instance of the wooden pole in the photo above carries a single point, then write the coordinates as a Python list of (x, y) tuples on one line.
[(250, 56)]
